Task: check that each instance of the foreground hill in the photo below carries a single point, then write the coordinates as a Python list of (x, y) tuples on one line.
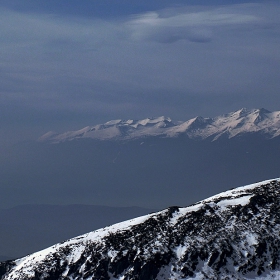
[(232, 235)]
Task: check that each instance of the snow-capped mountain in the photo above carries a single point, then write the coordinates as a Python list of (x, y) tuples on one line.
[(232, 235), (229, 125)]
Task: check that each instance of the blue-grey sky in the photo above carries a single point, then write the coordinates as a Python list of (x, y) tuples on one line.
[(67, 64)]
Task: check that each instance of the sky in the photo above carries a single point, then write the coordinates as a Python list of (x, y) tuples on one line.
[(68, 64)]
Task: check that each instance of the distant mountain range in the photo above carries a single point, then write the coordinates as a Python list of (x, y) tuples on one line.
[(229, 125), (232, 235)]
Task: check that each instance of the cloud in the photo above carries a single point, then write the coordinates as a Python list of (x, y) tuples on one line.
[(192, 26)]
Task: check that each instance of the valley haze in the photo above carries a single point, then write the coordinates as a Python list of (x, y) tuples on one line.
[(150, 163)]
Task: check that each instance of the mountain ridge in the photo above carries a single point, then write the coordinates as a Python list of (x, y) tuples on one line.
[(230, 125), (231, 235)]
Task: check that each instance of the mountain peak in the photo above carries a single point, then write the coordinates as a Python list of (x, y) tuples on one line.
[(261, 115), (232, 235), (113, 122), (242, 112)]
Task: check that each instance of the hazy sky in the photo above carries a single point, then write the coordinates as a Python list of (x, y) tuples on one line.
[(67, 64)]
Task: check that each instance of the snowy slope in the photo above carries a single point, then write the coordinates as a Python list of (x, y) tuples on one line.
[(232, 235), (229, 125)]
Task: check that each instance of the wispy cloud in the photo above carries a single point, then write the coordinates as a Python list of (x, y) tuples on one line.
[(193, 26)]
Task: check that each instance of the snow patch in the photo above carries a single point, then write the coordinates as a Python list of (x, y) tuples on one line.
[(243, 200)]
